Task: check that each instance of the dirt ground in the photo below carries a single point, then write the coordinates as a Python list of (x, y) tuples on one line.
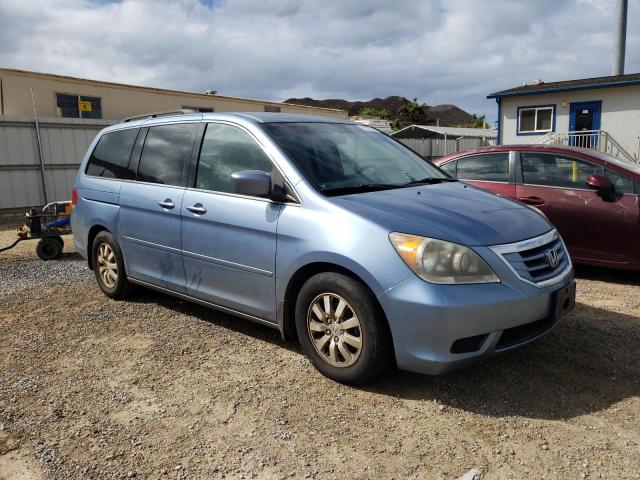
[(159, 388)]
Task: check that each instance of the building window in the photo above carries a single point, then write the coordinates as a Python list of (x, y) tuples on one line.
[(199, 109), (536, 119), (271, 108), (78, 106)]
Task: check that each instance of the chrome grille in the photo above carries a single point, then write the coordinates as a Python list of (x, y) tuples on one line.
[(539, 261)]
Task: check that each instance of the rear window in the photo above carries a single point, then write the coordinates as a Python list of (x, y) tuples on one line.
[(166, 154), (110, 158)]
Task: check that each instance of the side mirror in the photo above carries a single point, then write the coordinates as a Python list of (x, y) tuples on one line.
[(601, 183), (251, 182), (603, 186)]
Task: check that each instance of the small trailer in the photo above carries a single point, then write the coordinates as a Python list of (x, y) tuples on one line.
[(48, 226)]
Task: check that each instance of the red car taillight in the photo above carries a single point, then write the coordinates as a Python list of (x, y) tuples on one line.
[(74, 196)]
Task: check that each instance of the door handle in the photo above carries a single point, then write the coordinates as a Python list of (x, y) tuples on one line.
[(198, 209), (168, 204), (535, 201)]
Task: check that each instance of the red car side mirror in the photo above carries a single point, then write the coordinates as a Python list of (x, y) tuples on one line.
[(603, 186), (601, 183)]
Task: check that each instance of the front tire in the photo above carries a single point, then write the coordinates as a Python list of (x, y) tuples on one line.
[(341, 329), (108, 266)]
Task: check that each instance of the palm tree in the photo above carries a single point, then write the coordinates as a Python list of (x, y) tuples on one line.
[(478, 121)]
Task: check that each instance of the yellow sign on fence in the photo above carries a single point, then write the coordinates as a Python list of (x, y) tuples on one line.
[(84, 106)]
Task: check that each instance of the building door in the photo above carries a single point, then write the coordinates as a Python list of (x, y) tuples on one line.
[(584, 123)]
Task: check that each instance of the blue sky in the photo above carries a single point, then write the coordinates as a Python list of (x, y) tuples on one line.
[(454, 51)]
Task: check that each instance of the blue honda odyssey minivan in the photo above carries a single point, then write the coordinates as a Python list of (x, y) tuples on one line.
[(329, 231)]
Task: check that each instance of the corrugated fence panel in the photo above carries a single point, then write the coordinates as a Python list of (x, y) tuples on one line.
[(18, 145), (439, 147), (64, 143), (20, 188), (60, 183)]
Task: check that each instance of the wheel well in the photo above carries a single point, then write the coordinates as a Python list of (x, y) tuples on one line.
[(93, 231), (295, 285)]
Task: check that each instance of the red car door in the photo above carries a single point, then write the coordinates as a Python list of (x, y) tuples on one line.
[(595, 230), (489, 171)]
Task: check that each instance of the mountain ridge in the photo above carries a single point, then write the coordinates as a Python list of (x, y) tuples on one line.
[(447, 115)]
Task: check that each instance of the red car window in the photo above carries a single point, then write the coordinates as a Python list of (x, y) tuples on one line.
[(623, 184), (490, 167), (450, 167), (556, 170)]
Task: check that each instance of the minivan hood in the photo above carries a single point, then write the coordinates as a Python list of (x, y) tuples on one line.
[(451, 211)]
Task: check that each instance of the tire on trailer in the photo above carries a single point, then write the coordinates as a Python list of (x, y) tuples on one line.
[(59, 239), (49, 248)]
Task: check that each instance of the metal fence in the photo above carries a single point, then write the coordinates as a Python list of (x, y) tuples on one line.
[(437, 147), (38, 162), (595, 139)]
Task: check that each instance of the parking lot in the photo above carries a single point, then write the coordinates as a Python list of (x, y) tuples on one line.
[(157, 387)]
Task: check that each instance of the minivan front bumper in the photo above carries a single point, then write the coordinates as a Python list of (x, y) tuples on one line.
[(440, 328)]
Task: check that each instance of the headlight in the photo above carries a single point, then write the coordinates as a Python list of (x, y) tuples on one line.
[(437, 261)]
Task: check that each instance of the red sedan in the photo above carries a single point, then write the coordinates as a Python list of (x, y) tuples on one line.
[(591, 197)]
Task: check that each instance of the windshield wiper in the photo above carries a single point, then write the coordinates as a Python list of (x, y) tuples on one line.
[(361, 188), (431, 180)]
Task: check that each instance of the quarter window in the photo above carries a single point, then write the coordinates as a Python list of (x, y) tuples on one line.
[(111, 156), (492, 167), (535, 119), (227, 149), (450, 168), (166, 154), (556, 170)]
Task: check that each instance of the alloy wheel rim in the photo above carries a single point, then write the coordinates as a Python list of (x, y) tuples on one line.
[(334, 330), (107, 265)]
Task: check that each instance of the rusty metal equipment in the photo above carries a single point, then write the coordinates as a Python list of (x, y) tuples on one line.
[(48, 225)]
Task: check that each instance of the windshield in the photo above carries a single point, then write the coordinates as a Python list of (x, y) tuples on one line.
[(343, 158)]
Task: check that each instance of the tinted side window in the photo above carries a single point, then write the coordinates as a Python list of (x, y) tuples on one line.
[(166, 153), (111, 156), (623, 184), (227, 149), (450, 168), (491, 167), (556, 170)]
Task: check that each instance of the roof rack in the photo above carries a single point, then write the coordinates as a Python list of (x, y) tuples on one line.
[(182, 111)]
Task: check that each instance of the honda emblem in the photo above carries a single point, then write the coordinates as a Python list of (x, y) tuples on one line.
[(553, 259)]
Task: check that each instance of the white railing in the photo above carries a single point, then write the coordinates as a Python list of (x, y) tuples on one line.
[(597, 139)]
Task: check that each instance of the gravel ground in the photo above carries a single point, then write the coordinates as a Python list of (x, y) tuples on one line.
[(159, 388)]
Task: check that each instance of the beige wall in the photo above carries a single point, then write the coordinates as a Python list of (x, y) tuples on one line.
[(119, 101), (620, 114)]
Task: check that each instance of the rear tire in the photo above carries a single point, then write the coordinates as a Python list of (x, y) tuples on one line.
[(342, 330), (108, 266), (48, 248)]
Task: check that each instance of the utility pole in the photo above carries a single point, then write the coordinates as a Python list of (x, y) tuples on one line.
[(618, 55), (40, 156)]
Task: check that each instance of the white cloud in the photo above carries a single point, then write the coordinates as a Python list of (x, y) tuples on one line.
[(453, 51)]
